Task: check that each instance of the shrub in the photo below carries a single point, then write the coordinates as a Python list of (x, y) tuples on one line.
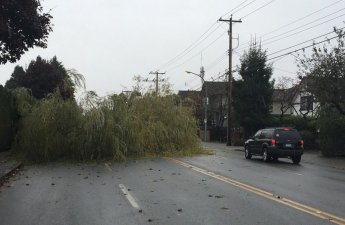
[(48, 128), (298, 122), (332, 132), (310, 139), (7, 118)]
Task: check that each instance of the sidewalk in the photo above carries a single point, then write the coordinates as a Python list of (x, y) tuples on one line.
[(7, 165)]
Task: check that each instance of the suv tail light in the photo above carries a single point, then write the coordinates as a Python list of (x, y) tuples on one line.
[(301, 142), (273, 142)]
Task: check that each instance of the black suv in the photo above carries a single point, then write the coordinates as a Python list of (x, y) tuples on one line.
[(274, 143)]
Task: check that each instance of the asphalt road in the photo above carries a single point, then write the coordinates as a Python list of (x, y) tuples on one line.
[(223, 188)]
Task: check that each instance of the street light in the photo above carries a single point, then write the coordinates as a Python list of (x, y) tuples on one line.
[(201, 75)]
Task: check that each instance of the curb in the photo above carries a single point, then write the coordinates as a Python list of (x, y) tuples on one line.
[(8, 173)]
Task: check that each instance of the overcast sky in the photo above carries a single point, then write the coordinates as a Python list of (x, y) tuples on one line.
[(110, 41)]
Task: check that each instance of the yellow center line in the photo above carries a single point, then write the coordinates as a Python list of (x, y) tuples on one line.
[(296, 205)]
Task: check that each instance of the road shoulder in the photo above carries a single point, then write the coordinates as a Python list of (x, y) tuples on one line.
[(7, 165)]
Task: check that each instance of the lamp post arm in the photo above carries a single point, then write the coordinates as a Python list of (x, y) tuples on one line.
[(205, 118)]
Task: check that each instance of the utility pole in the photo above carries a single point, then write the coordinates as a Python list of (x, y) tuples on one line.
[(157, 80), (230, 21), (202, 76)]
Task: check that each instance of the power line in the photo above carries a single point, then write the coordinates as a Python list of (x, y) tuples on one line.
[(214, 63), (303, 42), (244, 7), (271, 31), (282, 58), (231, 11), (298, 32), (221, 75), (288, 53), (226, 70), (302, 48), (191, 47), (258, 9), (199, 40), (303, 30), (302, 18), (193, 56), (286, 71), (184, 62), (218, 60), (295, 21), (309, 24)]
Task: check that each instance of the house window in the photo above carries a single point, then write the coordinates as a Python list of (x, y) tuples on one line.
[(307, 103)]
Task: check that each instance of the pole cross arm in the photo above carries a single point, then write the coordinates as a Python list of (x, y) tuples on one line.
[(230, 20)]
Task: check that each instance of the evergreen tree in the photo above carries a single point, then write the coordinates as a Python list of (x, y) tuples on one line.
[(16, 79), (253, 92), (43, 77)]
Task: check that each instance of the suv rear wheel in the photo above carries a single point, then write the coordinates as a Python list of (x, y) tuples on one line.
[(265, 156), (296, 159), (247, 154)]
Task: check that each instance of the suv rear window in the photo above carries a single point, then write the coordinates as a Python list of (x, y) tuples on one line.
[(283, 135), (268, 133)]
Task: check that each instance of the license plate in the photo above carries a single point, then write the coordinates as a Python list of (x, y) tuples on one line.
[(288, 145)]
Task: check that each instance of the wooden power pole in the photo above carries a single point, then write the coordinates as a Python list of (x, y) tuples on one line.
[(230, 21), (157, 80)]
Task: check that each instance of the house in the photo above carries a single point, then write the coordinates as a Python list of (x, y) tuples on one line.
[(283, 100), (216, 102), (216, 109), (194, 99), (216, 93), (294, 101), (189, 94)]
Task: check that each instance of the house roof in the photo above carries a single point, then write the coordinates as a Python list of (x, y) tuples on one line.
[(188, 93), (277, 95), (285, 95), (215, 88)]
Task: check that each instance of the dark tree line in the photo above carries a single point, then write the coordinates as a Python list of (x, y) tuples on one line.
[(43, 77)]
